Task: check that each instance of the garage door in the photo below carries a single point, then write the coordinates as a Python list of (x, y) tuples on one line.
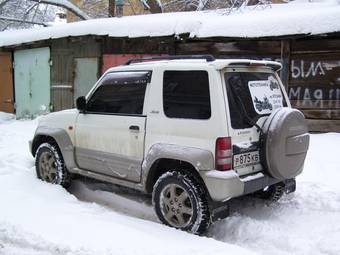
[(32, 82), (6, 83)]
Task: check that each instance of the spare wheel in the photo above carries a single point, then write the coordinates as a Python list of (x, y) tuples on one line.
[(285, 142)]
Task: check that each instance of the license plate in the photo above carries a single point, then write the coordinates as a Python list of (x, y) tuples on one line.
[(246, 159)]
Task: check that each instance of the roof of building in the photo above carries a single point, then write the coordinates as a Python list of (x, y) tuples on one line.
[(299, 17)]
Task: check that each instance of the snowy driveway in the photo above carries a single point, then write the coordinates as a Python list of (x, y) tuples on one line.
[(39, 218)]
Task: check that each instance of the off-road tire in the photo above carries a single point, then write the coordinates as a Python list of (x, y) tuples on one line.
[(273, 194), (199, 221), (62, 176)]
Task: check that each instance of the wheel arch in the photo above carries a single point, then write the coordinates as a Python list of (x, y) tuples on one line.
[(40, 139), (60, 138), (163, 165), (165, 157)]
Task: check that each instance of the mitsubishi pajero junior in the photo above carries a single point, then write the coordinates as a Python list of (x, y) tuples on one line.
[(193, 131)]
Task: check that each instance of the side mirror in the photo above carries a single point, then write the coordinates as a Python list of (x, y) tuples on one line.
[(81, 104)]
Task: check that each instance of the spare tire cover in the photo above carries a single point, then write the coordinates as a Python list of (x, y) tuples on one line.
[(285, 143)]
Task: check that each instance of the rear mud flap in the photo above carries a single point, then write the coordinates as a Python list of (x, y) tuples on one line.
[(290, 185), (220, 211)]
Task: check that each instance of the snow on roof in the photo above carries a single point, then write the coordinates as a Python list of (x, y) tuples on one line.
[(297, 17)]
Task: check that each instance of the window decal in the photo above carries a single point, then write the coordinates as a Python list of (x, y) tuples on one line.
[(266, 95)]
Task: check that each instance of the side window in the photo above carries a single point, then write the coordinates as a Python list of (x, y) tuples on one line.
[(120, 93), (186, 94)]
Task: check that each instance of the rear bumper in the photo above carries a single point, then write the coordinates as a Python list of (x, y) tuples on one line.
[(255, 184), (223, 186)]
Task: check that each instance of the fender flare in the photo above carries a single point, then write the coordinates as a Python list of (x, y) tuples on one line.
[(200, 159), (62, 139)]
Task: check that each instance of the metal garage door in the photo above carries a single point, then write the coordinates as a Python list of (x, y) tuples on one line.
[(6, 83), (86, 75), (32, 82)]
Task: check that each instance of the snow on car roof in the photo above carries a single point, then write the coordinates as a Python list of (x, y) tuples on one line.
[(297, 17)]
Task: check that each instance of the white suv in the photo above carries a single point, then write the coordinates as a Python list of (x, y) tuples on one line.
[(192, 131)]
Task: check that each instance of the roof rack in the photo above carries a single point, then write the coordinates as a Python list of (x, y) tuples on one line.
[(208, 58)]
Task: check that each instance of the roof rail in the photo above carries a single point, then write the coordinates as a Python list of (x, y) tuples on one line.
[(208, 58)]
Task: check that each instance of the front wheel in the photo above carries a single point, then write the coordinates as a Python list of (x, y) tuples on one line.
[(180, 202), (50, 166)]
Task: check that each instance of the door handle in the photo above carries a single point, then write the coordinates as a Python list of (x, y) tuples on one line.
[(134, 128)]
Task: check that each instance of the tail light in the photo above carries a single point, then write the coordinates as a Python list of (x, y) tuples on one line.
[(223, 154)]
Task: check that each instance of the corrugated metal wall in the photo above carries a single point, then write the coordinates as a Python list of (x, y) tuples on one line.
[(112, 60)]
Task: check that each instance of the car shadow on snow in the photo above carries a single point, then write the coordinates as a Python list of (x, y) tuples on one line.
[(117, 198), (136, 204)]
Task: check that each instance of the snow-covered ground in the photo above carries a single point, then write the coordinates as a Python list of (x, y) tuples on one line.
[(95, 218)]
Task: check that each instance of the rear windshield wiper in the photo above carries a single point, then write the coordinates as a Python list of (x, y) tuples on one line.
[(236, 91)]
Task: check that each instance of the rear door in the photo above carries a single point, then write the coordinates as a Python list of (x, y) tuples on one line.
[(252, 94), (110, 134)]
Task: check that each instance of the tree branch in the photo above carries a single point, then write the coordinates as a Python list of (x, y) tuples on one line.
[(67, 5), (3, 3), (21, 21)]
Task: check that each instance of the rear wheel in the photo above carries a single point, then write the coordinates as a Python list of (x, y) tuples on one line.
[(180, 202), (50, 166)]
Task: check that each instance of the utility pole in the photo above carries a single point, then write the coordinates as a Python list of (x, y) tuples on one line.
[(112, 7), (119, 8)]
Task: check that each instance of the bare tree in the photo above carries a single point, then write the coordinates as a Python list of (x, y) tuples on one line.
[(67, 5), (199, 5), (15, 13), (112, 5), (26, 13), (95, 8), (154, 6)]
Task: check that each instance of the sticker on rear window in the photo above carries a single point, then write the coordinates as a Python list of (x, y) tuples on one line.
[(266, 95)]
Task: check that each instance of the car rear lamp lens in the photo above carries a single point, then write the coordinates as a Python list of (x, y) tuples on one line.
[(223, 154)]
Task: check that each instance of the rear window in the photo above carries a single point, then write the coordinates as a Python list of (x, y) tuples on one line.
[(260, 94)]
